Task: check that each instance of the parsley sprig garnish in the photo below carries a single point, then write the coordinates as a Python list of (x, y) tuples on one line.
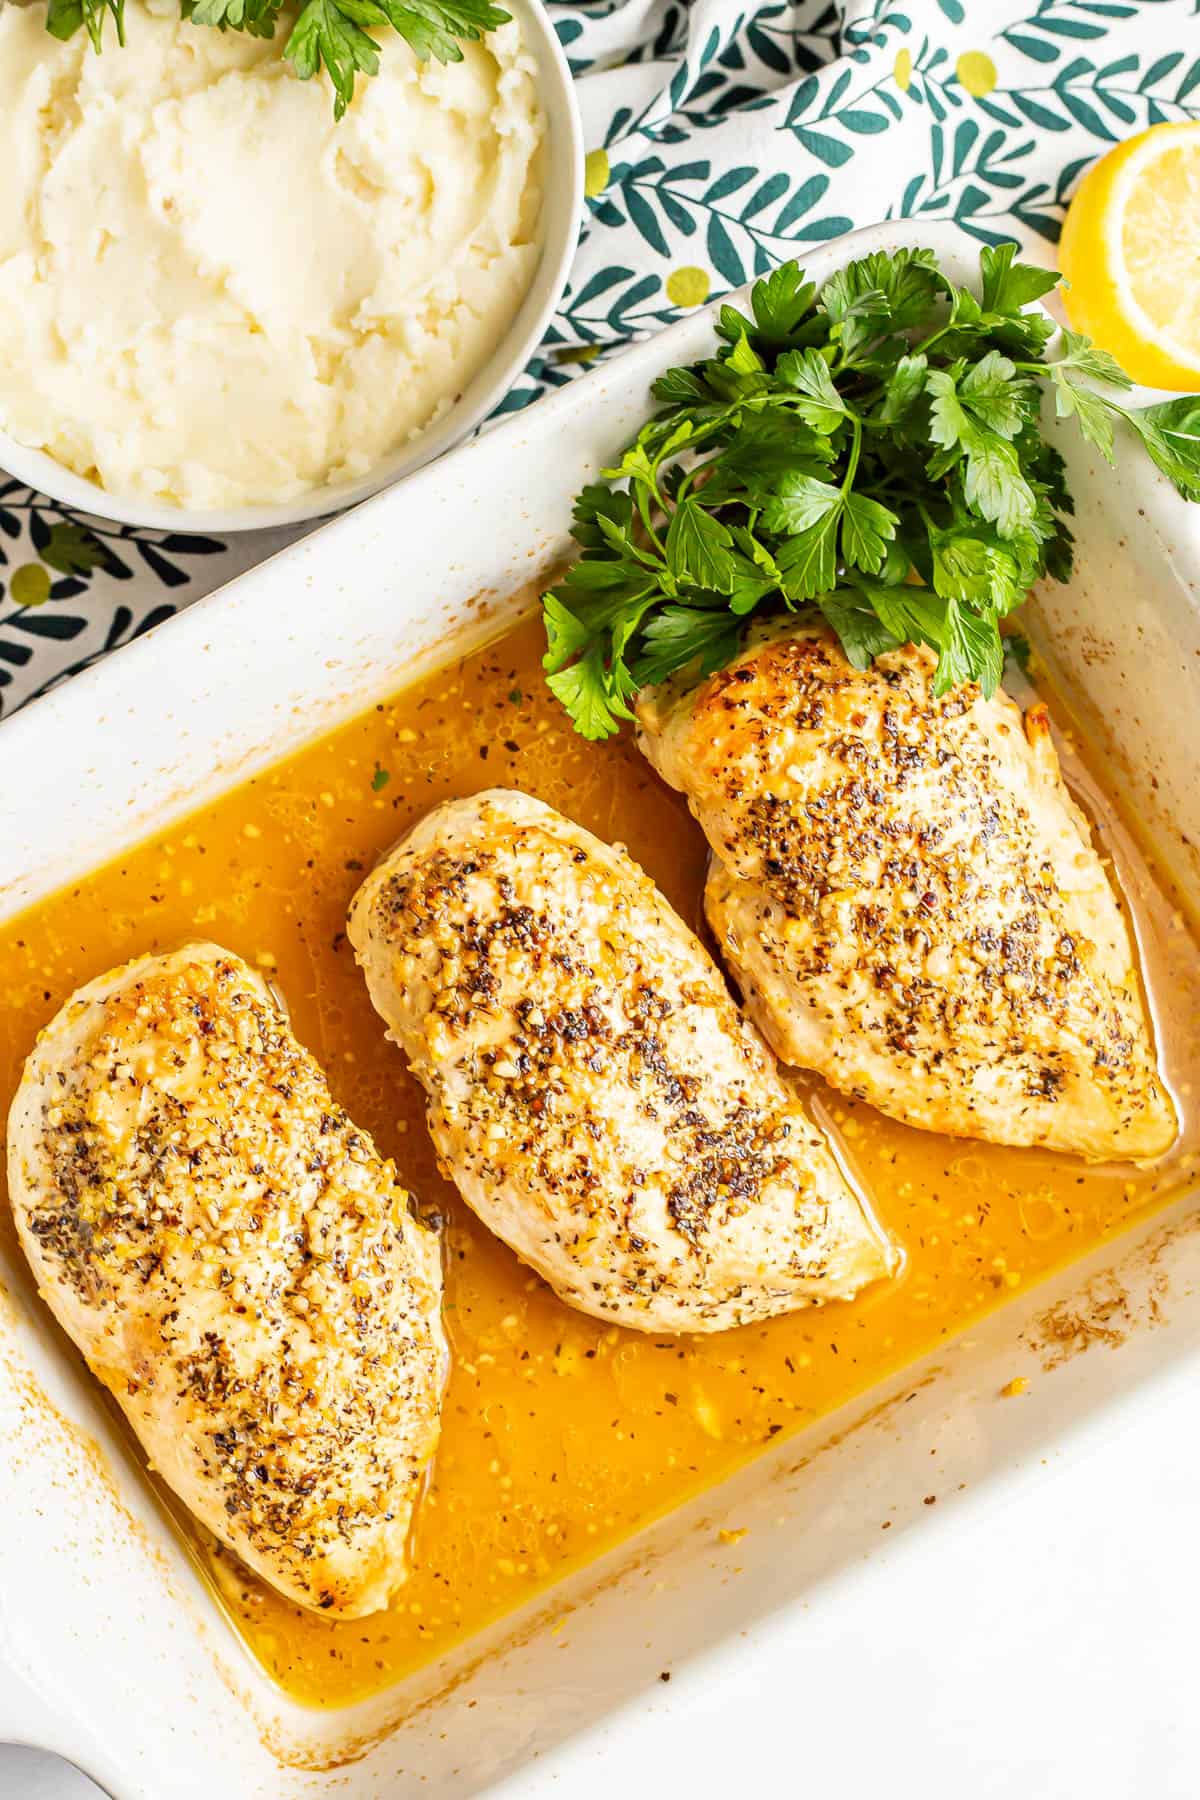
[(330, 34), (875, 451)]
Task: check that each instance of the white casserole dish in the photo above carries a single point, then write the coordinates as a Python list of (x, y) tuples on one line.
[(110, 1650)]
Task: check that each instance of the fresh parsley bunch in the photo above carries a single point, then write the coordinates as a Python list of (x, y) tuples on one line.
[(330, 34), (874, 450)]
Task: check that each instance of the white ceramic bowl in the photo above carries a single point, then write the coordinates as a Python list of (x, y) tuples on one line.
[(562, 204)]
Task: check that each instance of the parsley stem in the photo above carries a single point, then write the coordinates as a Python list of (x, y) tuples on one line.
[(644, 510), (693, 476), (855, 451), (925, 344)]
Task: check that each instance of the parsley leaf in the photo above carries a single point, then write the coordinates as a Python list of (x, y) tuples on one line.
[(568, 633), (683, 634), (970, 563), (808, 560), (948, 423), (863, 634), (905, 386), (822, 406), (970, 649), (780, 304), (64, 17), (1086, 358), (1171, 435), (1007, 286), (698, 547), (867, 528), (1073, 401), (596, 502), (1018, 647), (799, 502), (997, 396), (327, 34), (683, 387), (256, 17), (880, 292), (994, 486), (438, 29), (589, 695), (910, 614), (857, 313), (873, 450)]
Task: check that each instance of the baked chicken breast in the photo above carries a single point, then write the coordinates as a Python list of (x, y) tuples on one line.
[(239, 1265), (593, 1090), (909, 898)]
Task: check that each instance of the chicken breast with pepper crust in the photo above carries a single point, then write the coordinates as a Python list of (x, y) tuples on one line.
[(239, 1265), (909, 897), (593, 1090)]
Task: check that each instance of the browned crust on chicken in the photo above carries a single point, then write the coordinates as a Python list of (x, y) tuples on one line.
[(909, 897), (593, 1090), (240, 1267)]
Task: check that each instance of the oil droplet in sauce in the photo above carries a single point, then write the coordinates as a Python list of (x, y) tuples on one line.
[(562, 1435)]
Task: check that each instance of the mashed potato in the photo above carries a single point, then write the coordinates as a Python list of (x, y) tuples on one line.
[(210, 293)]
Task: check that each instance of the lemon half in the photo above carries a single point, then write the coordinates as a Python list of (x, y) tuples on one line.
[(1130, 250)]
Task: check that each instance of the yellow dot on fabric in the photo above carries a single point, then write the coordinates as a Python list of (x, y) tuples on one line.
[(595, 173), (687, 286), (902, 71), (29, 585), (977, 72)]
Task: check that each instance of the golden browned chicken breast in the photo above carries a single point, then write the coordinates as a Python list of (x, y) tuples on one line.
[(240, 1267), (593, 1090), (909, 897)]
